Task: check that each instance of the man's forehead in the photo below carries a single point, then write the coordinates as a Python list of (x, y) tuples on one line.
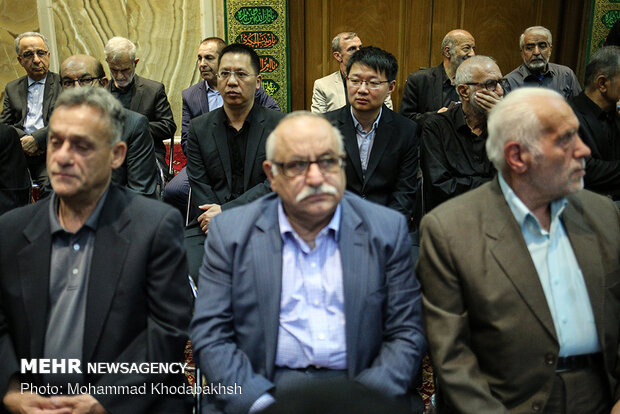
[(208, 48), (31, 42), (364, 70), (121, 61), (463, 40), (305, 136), (346, 43), (76, 68), (486, 71), (535, 37)]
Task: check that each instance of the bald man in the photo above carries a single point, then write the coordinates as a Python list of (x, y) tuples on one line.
[(431, 90)]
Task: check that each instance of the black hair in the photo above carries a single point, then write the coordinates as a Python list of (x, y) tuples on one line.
[(378, 59), (244, 50)]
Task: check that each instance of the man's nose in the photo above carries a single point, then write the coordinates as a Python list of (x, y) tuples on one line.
[(581, 149), (314, 175)]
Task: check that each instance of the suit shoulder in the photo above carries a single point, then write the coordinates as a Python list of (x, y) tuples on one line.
[(19, 217), (325, 79), (335, 114), (270, 114), (150, 83), (15, 82), (141, 207), (402, 120), (468, 206)]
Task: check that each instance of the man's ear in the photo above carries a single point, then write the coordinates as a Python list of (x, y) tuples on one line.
[(119, 150), (259, 80), (267, 168), (463, 91), (135, 62), (337, 56), (601, 83), (104, 82), (516, 158), (446, 51), (392, 86)]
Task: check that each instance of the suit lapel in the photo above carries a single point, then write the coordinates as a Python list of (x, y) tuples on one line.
[(267, 255), (354, 256), (512, 255), (136, 98), (383, 136), (582, 240), (109, 254), (35, 276), (203, 98), (220, 137), (437, 86), (255, 138), (345, 121), (49, 96), (23, 97)]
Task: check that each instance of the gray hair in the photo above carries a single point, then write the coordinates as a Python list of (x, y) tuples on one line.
[(448, 40), (29, 34), (100, 99), (535, 29), (606, 61), (117, 47), (464, 73), (515, 118), (270, 145), (343, 35)]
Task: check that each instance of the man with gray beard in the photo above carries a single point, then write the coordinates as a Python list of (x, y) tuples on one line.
[(452, 155)]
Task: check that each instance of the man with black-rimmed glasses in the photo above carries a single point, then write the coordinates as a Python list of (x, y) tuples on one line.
[(226, 147), (452, 155)]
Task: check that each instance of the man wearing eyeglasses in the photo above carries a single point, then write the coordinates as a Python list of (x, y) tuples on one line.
[(138, 172), (29, 101), (381, 145), (226, 147), (452, 155), (536, 44), (330, 92), (307, 284)]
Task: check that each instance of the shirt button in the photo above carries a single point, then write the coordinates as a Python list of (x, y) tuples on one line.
[(321, 336), (564, 320), (556, 282), (76, 247), (550, 359), (316, 302), (313, 264), (75, 271), (537, 406)]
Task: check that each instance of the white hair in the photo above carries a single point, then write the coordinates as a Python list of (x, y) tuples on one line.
[(515, 118), (118, 47), (19, 38), (543, 29)]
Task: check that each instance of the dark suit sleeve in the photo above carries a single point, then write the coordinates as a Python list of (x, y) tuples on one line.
[(264, 99), (446, 320), (404, 345), (213, 331), (9, 365), (440, 181), (252, 194), (404, 195), (186, 117), (168, 314), (162, 124), (11, 115), (202, 193), (409, 105), (141, 165)]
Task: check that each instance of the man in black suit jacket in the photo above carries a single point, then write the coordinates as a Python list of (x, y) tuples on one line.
[(14, 177), (432, 90), (381, 145), (109, 281), (141, 95), (28, 104), (199, 99), (226, 147)]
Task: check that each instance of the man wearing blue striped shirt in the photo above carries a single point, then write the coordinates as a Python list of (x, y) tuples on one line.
[(307, 284)]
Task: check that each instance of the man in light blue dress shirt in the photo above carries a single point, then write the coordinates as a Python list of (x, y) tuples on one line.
[(307, 283), (521, 276)]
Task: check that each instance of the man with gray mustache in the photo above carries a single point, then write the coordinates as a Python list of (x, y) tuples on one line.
[(307, 283), (536, 44)]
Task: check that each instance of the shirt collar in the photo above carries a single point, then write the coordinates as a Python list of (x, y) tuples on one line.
[(91, 222), (444, 76), (333, 227), (527, 73), (210, 89), (41, 81), (523, 214), (358, 126)]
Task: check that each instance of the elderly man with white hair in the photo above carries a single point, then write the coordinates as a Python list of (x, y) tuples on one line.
[(520, 276), (536, 43), (138, 94)]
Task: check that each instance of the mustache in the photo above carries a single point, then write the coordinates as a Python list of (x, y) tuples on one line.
[(310, 191)]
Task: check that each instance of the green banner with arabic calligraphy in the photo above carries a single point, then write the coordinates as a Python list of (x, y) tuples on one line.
[(604, 15), (263, 25)]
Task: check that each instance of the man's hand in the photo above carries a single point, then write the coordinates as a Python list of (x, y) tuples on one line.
[(211, 210), (443, 109), (29, 403), (29, 145), (616, 408), (79, 404), (487, 99)]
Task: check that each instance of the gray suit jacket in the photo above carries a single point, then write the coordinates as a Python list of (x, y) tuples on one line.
[(235, 326), (16, 107), (328, 94), (490, 331)]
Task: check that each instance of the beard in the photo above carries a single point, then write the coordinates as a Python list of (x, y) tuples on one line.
[(537, 65)]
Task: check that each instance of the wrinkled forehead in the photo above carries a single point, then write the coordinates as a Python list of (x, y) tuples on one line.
[(31, 42), (462, 39), (305, 137), (76, 68), (535, 36), (208, 48)]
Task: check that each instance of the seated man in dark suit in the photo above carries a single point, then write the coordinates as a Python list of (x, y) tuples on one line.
[(433, 89), (138, 94), (226, 147), (307, 284), (381, 145), (599, 124), (139, 171), (14, 177), (199, 99), (453, 159), (95, 273), (29, 101)]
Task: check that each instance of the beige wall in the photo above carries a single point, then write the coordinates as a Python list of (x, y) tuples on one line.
[(166, 33)]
